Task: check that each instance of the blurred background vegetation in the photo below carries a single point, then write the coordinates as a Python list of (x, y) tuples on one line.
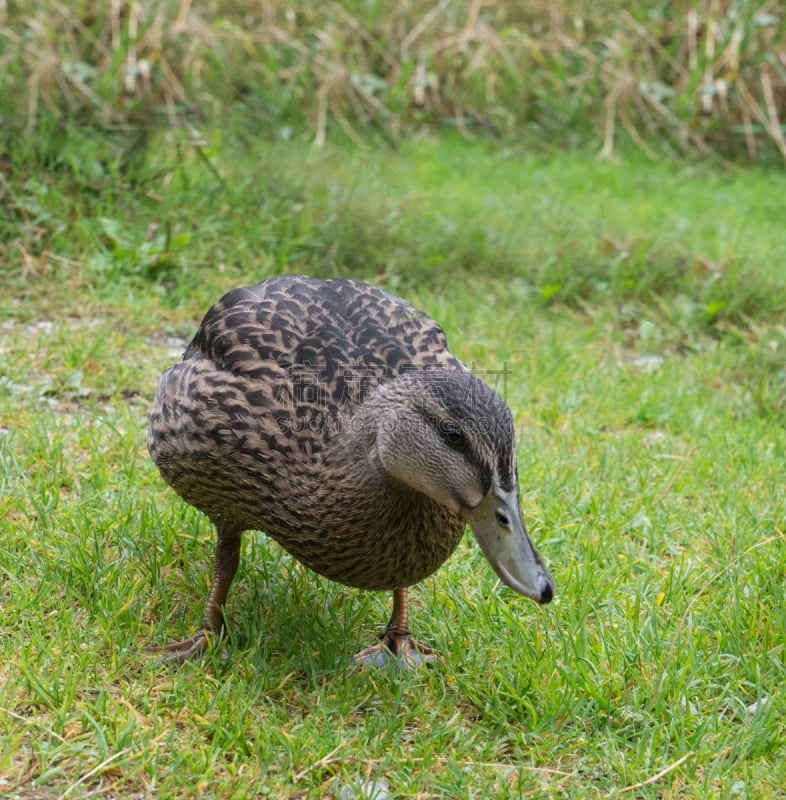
[(664, 76)]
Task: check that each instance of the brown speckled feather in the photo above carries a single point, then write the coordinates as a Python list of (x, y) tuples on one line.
[(249, 427)]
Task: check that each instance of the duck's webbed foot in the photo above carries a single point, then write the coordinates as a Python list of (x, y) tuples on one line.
[(180, 652), (227, 559), (396, 649), (397, 645)]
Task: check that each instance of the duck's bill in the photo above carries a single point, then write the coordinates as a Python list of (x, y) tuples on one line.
[(500, 532)]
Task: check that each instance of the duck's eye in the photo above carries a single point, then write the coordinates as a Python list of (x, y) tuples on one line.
[(454, 436)]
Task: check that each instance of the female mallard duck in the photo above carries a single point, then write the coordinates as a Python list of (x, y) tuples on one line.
[(331, 416)]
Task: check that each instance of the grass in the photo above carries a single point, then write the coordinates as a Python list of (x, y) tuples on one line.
[(639, 311), (667, 77)]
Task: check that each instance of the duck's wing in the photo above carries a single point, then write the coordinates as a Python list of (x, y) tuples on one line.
[(342, 336), (390, 331)]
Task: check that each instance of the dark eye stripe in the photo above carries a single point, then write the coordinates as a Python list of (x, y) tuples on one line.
[(453, 435), (444, 428), (508, 471), (449, 431)]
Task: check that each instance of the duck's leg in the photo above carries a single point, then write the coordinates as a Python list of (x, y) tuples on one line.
[(226, 563), (397, 640)]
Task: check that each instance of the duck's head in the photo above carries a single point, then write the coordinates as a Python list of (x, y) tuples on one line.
[(448, 435)]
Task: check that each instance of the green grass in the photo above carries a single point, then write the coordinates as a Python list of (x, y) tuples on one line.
[(639, 309)]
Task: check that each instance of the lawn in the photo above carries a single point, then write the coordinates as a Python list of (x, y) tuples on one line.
[(638, 313)]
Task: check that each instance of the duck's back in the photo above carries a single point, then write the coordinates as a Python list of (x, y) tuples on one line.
[(327, 327), (268, 378)]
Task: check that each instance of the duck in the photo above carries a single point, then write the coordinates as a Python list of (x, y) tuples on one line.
[(331, 416)]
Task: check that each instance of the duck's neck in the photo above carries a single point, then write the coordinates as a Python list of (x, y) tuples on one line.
[(351, 454)]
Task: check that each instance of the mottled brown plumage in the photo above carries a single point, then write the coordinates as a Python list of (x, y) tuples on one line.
[(331, 416)]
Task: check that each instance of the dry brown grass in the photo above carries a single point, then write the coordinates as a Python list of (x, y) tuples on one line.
[(704, 78)]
